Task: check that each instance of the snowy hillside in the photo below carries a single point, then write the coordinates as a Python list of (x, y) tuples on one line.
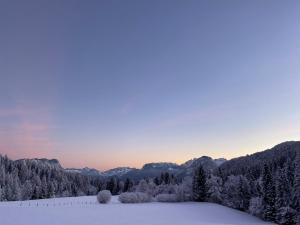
[(85, 171), (119, 171), (86, 211)]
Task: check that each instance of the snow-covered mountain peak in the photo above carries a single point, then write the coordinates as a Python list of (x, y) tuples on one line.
[(85, 171), (119, 171)]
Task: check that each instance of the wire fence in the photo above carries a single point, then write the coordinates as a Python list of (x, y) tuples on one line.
[(56, 204)]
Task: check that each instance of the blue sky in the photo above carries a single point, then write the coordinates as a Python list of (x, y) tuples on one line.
[(114, 83)]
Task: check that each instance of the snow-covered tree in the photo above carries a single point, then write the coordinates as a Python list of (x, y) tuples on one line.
[(152, 188), (142, 186), (44, 188), (215, 189), (112, 186), (287, 216), (269, 210), (128, 185), (244, 193), (1, 194), (121, 186), (200, 185), (231, 192), (296, 188), (255, 206)]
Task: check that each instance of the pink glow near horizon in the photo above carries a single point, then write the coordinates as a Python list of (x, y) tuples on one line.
[(28, 133), (29, 136)]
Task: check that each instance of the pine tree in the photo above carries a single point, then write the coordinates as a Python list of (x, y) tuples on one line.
[(173, 180), (215, 189), (27, 190), (244, 193), (156, 181), (36, 193), (44, 188), (16, 190), (281, 189), (167, 178), (255, 206), (200, 185), (231, 194), (51, 190), (127, 185), (295, 203), (151, 190), (290, 172), (117, 187), (142, 186), (111, 185), (121, 186), (282, 194), (296, 187), (269, 210), (288, 216), (162, 178), (1, 194), (2, 175)]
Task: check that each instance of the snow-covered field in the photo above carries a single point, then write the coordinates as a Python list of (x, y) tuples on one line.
[(86, 211)]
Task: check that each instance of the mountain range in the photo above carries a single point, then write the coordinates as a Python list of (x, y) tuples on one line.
[(153, 169)]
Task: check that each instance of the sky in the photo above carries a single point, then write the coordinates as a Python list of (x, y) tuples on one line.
[(121, 83)]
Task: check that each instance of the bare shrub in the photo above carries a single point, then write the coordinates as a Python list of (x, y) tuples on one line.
[(134, 197), (104, 196)]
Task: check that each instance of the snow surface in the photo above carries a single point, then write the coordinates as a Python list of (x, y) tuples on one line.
[(86, 211)]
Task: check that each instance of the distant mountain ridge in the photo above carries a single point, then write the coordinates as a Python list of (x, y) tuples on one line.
[(119, 171), (150, 170), (85, 171)]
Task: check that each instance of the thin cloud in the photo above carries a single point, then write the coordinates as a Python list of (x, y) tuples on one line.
[(28, 133), (13, 112)]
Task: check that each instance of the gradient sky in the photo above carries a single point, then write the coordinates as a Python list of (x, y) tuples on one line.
[(120, 83)]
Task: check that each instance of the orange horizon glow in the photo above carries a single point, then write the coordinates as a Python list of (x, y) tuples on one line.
[(106, 163)]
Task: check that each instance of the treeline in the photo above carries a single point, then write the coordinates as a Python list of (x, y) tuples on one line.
[(31, 179), (117, 186), (36, 179), (265, 184)]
